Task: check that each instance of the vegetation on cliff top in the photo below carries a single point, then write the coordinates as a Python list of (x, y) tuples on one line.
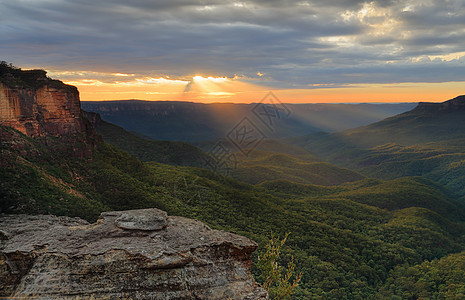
[(15, 77)]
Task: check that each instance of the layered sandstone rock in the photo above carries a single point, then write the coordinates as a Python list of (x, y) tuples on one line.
[(139, 254), (36, 105)]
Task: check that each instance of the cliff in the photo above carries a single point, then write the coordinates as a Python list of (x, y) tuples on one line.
[(37, 105), (138, 254), (456, 104)]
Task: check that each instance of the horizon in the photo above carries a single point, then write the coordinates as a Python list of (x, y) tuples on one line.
[(90, 92), (240, 92), (248, 103)]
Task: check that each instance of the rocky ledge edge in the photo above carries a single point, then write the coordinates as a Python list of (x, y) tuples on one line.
[(136, 254)]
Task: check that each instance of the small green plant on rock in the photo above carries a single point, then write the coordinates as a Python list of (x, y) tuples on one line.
[(278, 280)]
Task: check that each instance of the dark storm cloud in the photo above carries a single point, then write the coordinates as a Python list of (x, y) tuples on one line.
[(294, 43)]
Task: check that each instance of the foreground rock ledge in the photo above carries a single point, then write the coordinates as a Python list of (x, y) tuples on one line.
[(137, 254)]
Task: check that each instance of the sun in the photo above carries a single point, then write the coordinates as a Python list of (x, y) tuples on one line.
[(209, 86)]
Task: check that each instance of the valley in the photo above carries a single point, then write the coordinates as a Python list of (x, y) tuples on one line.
[(198, 122)]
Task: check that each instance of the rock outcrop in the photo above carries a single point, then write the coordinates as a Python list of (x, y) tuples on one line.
[(456, 104), (36, 105), (138, 254)]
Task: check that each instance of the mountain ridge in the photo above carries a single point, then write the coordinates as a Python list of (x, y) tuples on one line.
[(196, 122), (457, 103)]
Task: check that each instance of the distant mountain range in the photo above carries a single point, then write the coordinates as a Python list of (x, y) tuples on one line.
[(193, 122)]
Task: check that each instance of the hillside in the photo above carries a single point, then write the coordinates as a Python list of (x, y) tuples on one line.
[(193, 122), (168, 152), (263, 166), (428, 122), (438, 279), (427, 141)]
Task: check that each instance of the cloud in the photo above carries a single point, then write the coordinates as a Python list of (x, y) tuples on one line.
[(295, 43)]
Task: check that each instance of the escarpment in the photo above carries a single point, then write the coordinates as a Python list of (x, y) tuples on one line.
[(37, 105), (456, 104), (138, 254)]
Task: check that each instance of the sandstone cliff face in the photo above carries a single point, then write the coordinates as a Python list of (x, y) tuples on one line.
[(139, 254), (37, 106)]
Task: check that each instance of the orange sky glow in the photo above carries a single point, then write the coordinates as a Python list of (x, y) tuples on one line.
[(207, 89)]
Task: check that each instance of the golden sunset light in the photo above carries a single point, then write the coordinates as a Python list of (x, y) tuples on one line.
[(210, 89), (198, 88)]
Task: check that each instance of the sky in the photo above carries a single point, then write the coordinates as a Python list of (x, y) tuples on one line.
[(236, 51)]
